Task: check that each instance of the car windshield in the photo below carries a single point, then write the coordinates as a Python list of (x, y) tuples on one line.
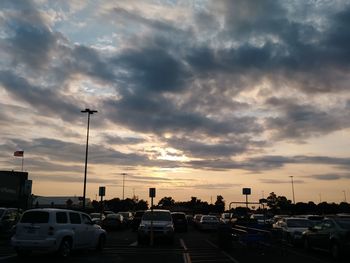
[(298, 223), (344, 223), (35, 217), (209, 218), (157, 216)]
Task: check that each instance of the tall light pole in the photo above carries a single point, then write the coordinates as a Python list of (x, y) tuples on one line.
[(89, 112), (344, 196), (123, 174), (293, 189)]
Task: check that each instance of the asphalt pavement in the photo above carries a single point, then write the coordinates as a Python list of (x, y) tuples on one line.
[(191, 247)]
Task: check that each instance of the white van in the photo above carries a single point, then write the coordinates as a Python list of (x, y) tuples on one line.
[(56, 230)]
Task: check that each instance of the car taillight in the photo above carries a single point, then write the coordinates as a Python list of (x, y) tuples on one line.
[(51, 230)]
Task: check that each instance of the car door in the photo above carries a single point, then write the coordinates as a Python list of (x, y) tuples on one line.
[(325, 233), (78, 229), (89, 231)]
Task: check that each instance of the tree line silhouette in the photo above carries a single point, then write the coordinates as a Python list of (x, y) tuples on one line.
[(273, 204)]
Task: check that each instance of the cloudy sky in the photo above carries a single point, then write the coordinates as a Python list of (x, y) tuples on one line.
[(195, 98)]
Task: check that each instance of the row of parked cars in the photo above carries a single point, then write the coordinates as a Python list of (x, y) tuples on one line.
[(329, 233)]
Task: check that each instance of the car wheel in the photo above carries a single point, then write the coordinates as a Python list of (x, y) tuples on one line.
[(101, 243), (65, 248), (335, 251)]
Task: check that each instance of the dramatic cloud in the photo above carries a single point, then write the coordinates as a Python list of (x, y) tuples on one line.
[(254, 86)]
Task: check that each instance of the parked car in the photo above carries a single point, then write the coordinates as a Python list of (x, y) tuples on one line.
[(259, 218), (292, 228), (160, 221), (208, 222), (127, 216), (196, 219), (97, 215), (8, 219), (180, 221), (135, 223), (113, 222), (332, 234), (56, 230), (226, 218)]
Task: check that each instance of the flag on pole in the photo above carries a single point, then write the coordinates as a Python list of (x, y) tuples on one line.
[(18, 153)]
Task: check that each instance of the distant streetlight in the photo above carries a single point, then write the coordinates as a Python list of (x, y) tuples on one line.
[(293, 189), (89, 112), (123, 174), (344, 196)]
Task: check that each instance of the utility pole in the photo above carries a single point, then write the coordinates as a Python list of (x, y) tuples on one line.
[(293, 189), (123, 174)]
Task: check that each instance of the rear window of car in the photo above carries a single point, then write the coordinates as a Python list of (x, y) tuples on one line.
[(74, 218), (35, 217), (157, 216), (178, 216), (209, 218), (61, 218)]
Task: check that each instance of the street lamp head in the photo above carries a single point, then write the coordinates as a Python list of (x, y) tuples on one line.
[(89, 111)]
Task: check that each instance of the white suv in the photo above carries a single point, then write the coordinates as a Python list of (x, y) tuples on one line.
[(162, 223), (56, 230)]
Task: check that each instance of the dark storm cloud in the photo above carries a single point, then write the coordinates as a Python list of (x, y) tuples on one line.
[(330, 177), (46, 101), (146, 113), (203, 149), (90, 62), (56, 151), (267, 162), (152, 69), (30, 40), (298, 121), (276, 181)]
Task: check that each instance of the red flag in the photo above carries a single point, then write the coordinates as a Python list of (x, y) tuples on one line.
[(18, 153)]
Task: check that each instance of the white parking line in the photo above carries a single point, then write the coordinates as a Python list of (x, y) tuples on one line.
[(223, 252), (186, 255)]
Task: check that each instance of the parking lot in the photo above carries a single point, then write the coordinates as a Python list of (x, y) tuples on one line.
[(192, 246)]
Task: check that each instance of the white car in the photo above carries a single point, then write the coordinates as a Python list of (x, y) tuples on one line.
[(293, 228), (158, 220), (56, 230), (208, 222)]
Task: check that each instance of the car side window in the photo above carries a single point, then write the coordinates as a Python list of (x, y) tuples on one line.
[(74, 218), (61, 218), (327, 224), (86, 219)]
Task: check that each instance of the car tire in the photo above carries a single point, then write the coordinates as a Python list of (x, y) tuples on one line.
[(101, 243), (65, 248)]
